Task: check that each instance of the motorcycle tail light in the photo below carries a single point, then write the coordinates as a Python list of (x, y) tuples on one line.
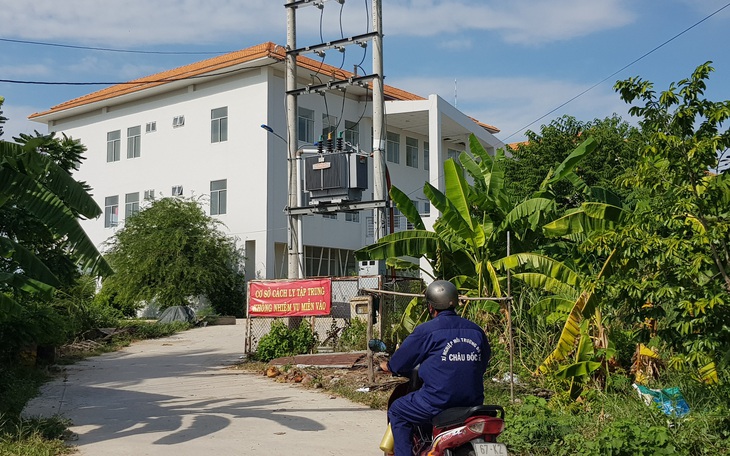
[(489, 426), (476, 427)]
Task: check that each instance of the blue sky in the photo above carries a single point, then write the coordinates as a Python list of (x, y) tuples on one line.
[(504, 63)]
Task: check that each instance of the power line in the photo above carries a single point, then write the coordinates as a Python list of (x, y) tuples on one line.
[(126, 51), (137, 82), (620, 70)]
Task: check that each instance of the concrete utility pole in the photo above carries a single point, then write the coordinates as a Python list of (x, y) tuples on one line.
[(294, 266), (379, 190)]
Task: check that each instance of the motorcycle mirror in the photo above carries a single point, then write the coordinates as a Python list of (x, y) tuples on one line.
[(377, 345)]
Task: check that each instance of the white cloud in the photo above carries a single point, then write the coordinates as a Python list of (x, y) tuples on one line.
[(128, 23), (140, 22), (512, 103), (24, 70), (530, 22), (18, 121)]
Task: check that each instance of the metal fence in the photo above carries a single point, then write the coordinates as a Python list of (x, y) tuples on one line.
[(328, 329)]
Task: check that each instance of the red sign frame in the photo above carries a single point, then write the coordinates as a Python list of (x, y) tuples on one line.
[(290, 298)]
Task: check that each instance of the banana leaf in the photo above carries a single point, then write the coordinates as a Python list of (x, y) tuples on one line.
[(414, 243), (405, 205), (545, 265)]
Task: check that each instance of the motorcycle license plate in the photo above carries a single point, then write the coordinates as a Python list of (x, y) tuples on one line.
[(490, 449)]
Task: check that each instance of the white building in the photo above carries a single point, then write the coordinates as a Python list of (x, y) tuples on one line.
[(196, 131)]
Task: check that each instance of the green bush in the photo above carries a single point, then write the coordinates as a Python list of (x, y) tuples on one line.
[(282, 341), (144, 330), (354, 336), (613, 424)]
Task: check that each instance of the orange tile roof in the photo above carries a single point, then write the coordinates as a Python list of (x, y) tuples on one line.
[(197, 69), (515, 145)]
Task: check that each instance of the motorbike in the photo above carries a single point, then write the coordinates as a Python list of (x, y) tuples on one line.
[(458, 431)]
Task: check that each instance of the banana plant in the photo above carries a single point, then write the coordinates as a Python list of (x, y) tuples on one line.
[(33, 180), (469, 236)]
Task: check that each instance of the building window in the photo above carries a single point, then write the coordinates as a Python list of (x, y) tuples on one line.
[(219, 124), (453, 153), (352, 134), (392, 147), (425, 155), (329, 125), (111, 211), (113, 146), (352, 217), (134, 137), (369, 226), (218, 196), (411, 152), (149, 195), (177, 190), (332, 216), (151, 127), (178, 121), (426, 208), (326, 261), (131, 205), (305, 125)]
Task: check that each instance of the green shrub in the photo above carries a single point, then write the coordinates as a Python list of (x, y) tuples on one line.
[(282, 341), (354, 336), (139, 329)]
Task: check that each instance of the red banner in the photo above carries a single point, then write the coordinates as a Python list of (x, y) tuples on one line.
[(291, 298)]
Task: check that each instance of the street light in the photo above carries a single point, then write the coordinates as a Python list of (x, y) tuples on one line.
[(294, 242)]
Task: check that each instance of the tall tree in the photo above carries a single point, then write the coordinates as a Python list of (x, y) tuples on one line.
[(2, 119), (680, 227), (616, 150), (171, 252), (36, 192)]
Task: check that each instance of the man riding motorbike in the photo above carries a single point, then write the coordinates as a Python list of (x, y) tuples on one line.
[(453, 354)]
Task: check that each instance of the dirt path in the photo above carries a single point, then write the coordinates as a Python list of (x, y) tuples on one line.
[(174, 396)]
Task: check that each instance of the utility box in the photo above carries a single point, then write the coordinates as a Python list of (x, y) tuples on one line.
[(335, 177), (360, 307), (371, 267)]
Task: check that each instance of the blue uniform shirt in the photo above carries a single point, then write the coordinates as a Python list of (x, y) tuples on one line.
[(453, 353)]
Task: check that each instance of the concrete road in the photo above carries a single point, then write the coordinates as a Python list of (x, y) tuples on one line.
[(174, 396)]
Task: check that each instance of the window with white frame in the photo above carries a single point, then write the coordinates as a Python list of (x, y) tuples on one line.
[(113, 145), (305, 125), (178, 121), (131, 205), (411, 152), (329, 125), (425, 155), (111, 211), (219, 124), (150, 127), (453, 153), (134, 141), (352, 133), (177, 190), (426, 208), (218, 196), (352, 217), (149, 195), (392, 147)]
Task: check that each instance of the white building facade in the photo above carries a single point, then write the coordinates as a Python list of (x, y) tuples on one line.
[(195, 131)]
